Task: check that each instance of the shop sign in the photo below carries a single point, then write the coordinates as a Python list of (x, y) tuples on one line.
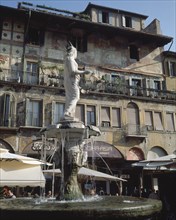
[(102, 149), (37, 146)]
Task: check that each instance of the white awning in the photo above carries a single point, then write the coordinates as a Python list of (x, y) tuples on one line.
[(86, 172), (6, 156), (98, 175), (17, 170), (13, 173), (160, 162)]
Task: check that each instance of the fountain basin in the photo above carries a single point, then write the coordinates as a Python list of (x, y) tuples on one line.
[(107, 207)]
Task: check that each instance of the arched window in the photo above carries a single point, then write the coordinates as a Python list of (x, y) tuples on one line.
[(133, 118)]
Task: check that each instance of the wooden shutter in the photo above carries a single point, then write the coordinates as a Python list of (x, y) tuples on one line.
[(123, 21), (48, 114), (61, 110), (40, 113), (21, 114), (132, 23), (6, 110), (111, 18), (116, 117), (53, 117), (100, 16), (158, 121), (105, 114), (170, 121), (1, 108), (27, 112), (148, 118), (80, 112)]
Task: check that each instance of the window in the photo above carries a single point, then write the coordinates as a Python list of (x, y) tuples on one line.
[(158, 121), (136, 87), (7, 105), (170, 122), (172, 68), (133, 126), (134, 53), (152, 87), (80, 43), (80, 112), (6, 110), (149, 120), (35, 37), (116, 122), (32, 73), (157, 88), (91, 115), (58, 112), (126, 21), (34, 113), (103, 17), (115, 78), (105, 117)]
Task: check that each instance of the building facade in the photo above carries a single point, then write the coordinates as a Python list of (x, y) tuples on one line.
[(130, 97)]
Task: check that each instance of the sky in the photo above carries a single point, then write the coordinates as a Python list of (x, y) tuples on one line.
[(163, 10)]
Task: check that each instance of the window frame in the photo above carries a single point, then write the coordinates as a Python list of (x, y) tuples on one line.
[(134, 52), (105, 121), (35, 36), (31, 75), (57, 111), (28, 118), (7, 110), (172, 69), (91, 115)]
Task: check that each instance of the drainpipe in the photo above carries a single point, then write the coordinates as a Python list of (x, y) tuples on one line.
[(24, 43)]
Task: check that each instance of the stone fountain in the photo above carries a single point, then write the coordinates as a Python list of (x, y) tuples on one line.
[(71, 202), (72, 135)]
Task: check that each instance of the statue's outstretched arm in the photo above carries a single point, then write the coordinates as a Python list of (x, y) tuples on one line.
[(74, 69)]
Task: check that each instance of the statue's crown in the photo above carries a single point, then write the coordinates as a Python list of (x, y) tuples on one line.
[(69, 46)]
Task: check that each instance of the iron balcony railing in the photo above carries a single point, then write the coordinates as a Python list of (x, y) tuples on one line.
[(135, 130), (97, 86)]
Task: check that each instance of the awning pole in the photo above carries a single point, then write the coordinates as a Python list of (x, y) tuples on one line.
[(53, 180)]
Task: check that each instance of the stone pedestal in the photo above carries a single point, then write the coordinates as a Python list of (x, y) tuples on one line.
[(71, 135)]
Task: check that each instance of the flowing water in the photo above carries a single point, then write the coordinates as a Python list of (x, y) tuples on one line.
[(91, 208)]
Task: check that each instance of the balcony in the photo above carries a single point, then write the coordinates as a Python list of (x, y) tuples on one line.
[(98, 86), (136, 131)]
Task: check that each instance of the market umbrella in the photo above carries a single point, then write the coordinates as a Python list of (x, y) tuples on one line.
[(164, 162), (87, 172), (17, 170)]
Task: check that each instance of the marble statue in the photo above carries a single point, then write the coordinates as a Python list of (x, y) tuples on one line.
[(71, 82)]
